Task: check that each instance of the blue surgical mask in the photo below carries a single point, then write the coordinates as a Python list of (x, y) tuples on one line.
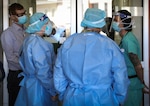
[(22, 19), (48, 29), (115, 26)]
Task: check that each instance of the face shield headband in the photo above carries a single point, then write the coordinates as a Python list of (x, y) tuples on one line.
[(122, 15), (41, 19), (124, 18)]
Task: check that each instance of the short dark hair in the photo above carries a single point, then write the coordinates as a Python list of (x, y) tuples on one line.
[(128, 20), (13, 7)]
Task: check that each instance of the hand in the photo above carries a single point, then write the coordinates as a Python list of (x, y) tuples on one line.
[(54, 98), (145, 89)]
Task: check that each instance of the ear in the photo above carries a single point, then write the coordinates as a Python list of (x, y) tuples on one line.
[(14, 18)]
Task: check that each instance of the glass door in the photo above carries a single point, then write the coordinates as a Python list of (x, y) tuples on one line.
[(68, 14), (63, 14), (139, 11), (59, 11), (82, 5)]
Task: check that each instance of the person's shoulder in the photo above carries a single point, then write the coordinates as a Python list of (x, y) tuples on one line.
[(34, 41), (7, 31), (69, 40), (129, 37), (109, 42), (29, 39), (41, 41), (71, 37), (106, 38)]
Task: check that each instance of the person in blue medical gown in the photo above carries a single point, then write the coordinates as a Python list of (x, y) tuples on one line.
[(37, 59), (90, 69)]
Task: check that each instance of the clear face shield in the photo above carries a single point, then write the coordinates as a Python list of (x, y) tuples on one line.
[(53, 32), (59, 33), (116, 20), (37, 25)]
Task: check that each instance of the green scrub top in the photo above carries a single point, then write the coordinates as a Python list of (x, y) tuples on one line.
[(130, 44)]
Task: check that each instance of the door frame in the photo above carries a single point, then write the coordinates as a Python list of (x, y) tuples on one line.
[(146, 46)]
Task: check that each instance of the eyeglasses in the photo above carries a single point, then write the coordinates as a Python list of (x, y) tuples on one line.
[(21, 14)]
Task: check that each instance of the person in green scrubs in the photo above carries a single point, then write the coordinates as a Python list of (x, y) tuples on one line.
[(129, 44)]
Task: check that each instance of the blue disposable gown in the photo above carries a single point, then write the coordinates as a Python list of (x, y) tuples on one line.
[(37, 60), (90, 71)]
